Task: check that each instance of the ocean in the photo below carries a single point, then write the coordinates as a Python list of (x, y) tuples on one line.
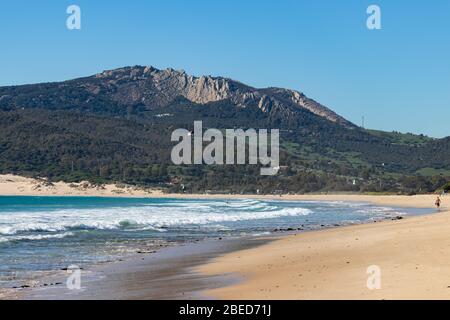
[(42, 234)]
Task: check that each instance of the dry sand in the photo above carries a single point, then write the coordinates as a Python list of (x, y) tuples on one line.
[(413, 255), (21, 186)]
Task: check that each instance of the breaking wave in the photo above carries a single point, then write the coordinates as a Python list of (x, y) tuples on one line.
[(157, 217)]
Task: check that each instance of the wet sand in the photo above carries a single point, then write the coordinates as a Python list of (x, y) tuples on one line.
[(166, 274)]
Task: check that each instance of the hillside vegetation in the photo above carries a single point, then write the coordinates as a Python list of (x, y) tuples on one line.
[(116, 127)]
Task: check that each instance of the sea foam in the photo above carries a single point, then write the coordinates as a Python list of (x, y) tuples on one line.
[(144, 217)]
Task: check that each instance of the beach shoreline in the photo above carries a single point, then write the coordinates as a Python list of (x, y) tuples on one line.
[(12, 185), (324, 264), (166, 274), (411, 254)]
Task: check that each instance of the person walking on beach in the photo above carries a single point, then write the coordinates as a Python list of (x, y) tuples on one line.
[(438, 202)]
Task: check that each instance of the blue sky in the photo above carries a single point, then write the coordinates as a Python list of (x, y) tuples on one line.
[(397, 77)]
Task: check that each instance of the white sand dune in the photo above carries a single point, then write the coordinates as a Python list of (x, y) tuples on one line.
[(16, 185)]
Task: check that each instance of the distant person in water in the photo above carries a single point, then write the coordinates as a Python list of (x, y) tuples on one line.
[(438, 202)]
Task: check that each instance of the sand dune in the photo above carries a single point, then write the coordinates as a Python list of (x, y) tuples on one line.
[(16, 185)]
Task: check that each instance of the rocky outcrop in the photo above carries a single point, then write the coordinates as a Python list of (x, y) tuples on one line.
[(152, 87)]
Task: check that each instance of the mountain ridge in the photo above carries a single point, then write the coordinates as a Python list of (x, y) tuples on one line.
[(149, 86)]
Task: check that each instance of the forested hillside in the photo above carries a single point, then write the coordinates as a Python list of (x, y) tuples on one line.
[(116, 127)]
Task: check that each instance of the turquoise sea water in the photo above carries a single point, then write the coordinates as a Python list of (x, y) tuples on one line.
[(50, 233)]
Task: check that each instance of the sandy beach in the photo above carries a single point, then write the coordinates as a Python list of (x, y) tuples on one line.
[(412, 254), (12, 185)]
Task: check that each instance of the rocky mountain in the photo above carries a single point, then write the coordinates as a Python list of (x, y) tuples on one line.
[(149, 87)]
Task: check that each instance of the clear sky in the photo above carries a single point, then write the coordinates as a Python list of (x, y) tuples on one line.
[(397, 77)]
